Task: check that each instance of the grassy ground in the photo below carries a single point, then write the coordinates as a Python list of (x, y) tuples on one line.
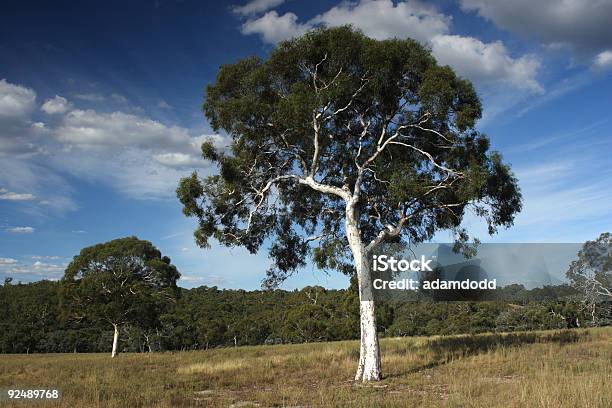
[(543, 369)]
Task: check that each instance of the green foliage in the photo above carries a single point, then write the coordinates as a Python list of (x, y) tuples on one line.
[(319, 108), (120, 281), (207, 317), (594, 264)]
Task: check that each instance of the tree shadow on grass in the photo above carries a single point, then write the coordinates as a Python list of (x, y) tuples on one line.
[(446, 349)]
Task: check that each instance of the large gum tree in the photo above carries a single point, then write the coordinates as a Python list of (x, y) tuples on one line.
[(340, 143)]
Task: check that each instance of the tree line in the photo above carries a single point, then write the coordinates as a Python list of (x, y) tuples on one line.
[(32, 319)]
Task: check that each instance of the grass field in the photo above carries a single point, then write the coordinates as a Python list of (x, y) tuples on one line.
[(536, 369)]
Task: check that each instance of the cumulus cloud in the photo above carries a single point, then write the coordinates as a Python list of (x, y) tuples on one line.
[(7, 261), (16, 101), (18, 135), (12, 196), (89, 128), (21, 230), (56, 105), (583, 25), (134, 154), (486, 63), (256, 6), (377, 19), (129, 152), (383, 19), (141, 172), (483, 63), (274, 28), (177, 159), (603, 60), (31, 271)]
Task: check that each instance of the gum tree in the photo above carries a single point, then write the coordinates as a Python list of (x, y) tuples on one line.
[(339, 143), (116, 282), (591, 274)]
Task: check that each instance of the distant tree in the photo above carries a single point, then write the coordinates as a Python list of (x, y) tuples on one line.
[(340, 143), (28, 312), (306, 323), (591, 275), (120, 281)]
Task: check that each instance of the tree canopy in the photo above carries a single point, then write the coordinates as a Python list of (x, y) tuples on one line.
[(120, 281), (335, 117)]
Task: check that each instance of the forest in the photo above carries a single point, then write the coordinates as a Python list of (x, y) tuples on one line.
[(32, 319)]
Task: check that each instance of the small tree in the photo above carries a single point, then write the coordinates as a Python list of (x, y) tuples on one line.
[(120, 281), (340, 143), (591, 274)]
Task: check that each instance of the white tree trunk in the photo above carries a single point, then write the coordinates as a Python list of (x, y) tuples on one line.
[(115, 340), (368, 368)]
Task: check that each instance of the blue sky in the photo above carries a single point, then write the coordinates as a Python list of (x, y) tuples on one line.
[(100, 115)]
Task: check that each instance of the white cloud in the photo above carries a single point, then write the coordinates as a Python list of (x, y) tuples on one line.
[(131, 153), (16, 101), (35, 271), (41, 265), (88, 128), (256, 6), (143, 172), (18, 135), (483, 63), (383, 19), (56, 105), (130, 171), (177, 159), (12, 196), (603, 60), (274, 28), (583, 25), (486, 63), (39, 127), (136, 155), (377, 19), (21, 230), (7, 261)]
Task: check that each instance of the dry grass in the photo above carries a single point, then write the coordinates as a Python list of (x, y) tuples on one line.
[(544, 369)]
